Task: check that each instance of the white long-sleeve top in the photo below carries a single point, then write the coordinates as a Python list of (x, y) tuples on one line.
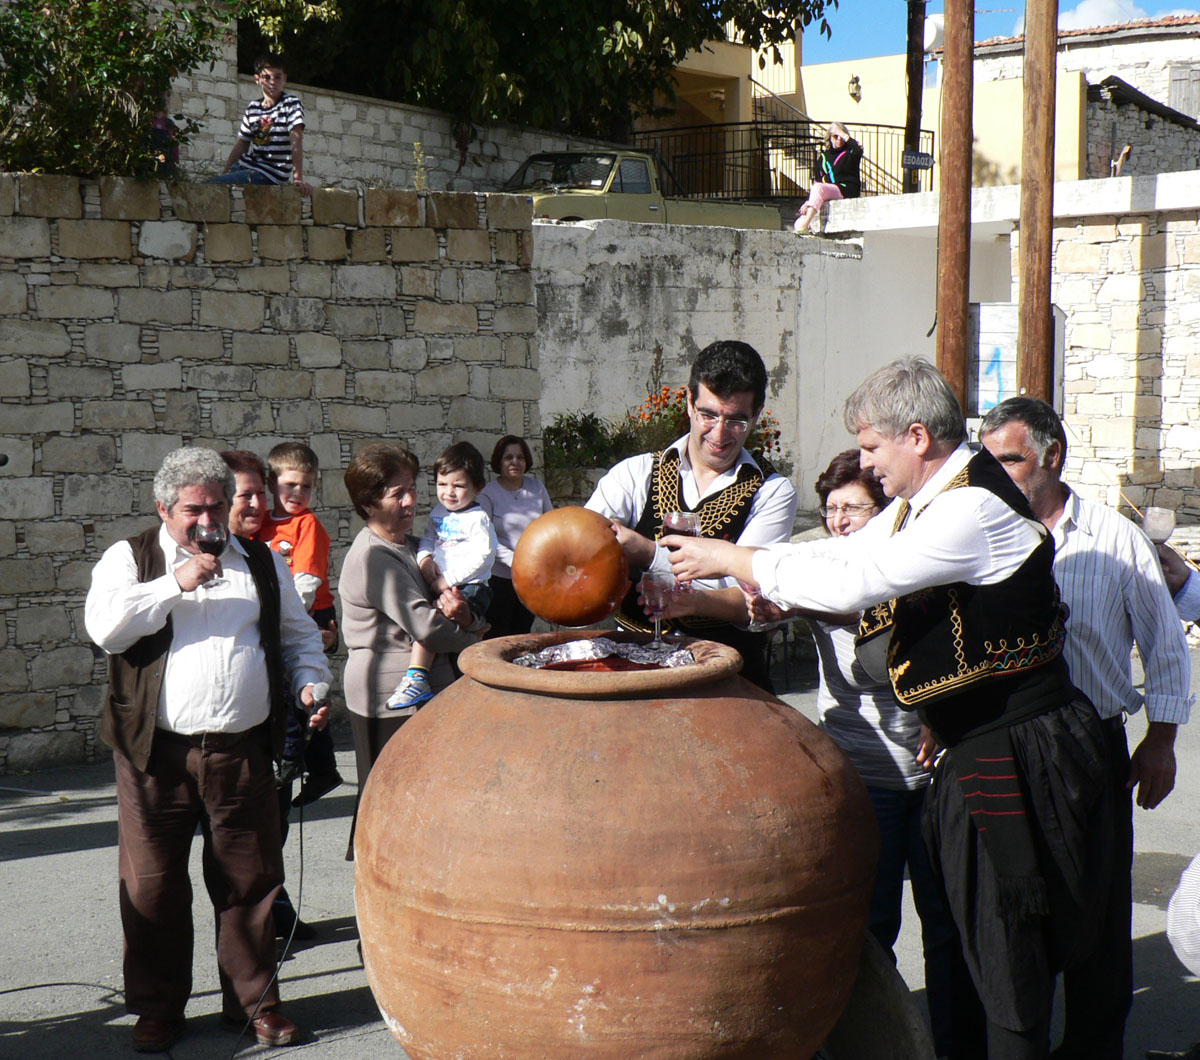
[(967, 535), (511, 512), (216, 673), (1112, 583), (462, 544), (621, 495)]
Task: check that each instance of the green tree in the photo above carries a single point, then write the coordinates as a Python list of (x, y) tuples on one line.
[(583, 67), (82, 80)]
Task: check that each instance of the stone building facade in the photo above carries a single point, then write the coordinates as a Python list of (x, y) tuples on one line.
[(1144, 135), (136, 317)]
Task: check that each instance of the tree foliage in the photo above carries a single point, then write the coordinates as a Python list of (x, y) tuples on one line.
[(583, 66), (82, 80)]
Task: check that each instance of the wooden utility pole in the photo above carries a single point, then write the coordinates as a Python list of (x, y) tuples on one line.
[(954, 201), (1035, 315), (916, 85)]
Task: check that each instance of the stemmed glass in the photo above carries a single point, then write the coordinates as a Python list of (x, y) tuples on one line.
[(211, 538), (657, 586), (687, 524), (1158, 523)]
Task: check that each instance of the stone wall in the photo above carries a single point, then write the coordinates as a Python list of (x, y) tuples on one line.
[(1158, 144), (352, 141), (136, 317), (1129, 285)]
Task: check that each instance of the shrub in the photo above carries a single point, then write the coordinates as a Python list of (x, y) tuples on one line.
[(81, 81)]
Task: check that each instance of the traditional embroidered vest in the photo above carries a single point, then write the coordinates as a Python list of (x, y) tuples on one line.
[(722, 515), (943, 640)]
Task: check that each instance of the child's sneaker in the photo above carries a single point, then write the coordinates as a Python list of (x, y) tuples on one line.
[(411, 693)]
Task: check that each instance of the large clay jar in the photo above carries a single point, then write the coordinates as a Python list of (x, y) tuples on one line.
[(665, 864)]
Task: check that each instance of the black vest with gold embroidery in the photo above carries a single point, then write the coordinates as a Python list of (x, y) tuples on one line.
[(722, 515), (945, 639)]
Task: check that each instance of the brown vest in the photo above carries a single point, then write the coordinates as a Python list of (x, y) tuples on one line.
[(135, 675)]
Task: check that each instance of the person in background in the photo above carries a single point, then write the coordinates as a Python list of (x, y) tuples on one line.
[(890, 748), (387, 606), (513, 500), (270, 143), (302, 540), (201, 648), (836, 177)]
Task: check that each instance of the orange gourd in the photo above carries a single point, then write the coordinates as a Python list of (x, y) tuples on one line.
[(568, 567)]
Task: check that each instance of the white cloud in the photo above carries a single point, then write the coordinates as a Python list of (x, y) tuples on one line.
[(1090, 13)]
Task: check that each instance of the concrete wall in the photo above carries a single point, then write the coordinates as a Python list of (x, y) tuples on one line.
[(136, 318), (355, 141)]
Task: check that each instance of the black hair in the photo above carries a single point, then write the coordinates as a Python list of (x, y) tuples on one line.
[(462, 456), (728, 367)]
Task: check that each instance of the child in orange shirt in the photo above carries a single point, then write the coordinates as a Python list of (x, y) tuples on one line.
[(297, 535)]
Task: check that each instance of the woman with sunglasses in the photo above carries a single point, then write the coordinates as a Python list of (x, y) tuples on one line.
[(835, 176)]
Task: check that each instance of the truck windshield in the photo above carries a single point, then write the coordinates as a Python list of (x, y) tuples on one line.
[(561, 170)]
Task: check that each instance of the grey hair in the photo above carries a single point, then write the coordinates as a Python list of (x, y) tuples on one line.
[(1043, 424), (907, 391), (191, 467)]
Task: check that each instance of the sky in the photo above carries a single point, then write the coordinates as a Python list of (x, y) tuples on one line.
[(862, 28)]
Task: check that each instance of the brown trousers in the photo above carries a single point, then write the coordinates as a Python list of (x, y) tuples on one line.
[(230, 794)]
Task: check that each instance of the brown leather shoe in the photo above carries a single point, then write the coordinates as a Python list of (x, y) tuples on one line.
[(156, 1036), (270, 1028)]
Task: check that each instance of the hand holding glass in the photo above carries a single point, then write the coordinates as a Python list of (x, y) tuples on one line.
[(212, 539), (1159, 524), (656, 587), (687, 524)]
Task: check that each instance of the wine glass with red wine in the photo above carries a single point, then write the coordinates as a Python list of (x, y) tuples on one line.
[(211, 538)]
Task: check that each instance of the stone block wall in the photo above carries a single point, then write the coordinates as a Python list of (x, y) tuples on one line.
[(355, 141), (1129, 285), (1159, 145), (137, 317)]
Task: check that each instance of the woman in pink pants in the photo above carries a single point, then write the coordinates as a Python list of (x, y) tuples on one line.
[(837, 166)]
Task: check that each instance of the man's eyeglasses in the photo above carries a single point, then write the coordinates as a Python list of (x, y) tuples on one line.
[(854, 511), (733, 424)]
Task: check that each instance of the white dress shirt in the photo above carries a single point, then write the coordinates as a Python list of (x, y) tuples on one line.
[(1111, 580), (967, 535), (216, 673), (621, 495)]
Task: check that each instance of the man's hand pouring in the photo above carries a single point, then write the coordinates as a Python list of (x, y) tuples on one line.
[(706, 557)]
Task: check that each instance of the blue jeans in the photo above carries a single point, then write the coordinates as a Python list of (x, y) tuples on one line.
[(241, 175), (898, 814)]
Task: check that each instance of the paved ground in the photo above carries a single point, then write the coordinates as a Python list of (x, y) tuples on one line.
[(60, 966)]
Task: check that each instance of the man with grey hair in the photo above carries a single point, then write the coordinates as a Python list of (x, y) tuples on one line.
[(200, 644), (1111, 582), (954, 580)]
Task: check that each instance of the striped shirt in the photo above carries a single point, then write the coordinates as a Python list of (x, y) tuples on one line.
[(862, 716), (268, 130), (1111, 580), (1183, 917)]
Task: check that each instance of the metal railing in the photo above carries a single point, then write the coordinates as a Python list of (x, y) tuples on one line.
[(774, 156)]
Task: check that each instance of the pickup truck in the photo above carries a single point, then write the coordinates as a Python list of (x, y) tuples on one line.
[(624, 185)]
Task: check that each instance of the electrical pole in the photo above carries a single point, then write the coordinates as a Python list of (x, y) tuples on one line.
[(954, 200), (1035, 314), (915, 67)]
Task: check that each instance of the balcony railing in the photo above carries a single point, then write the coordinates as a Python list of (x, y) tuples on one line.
[(774, 157)]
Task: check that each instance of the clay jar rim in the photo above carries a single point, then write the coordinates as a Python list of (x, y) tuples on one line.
[(489, 663)]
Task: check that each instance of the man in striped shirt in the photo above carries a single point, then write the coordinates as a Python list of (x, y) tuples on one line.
[(270, 144), (1110, 579)]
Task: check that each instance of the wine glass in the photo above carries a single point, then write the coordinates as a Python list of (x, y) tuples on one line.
[(687, 524), (1158, 523), (657, 586), (752, 590), (212, 539)]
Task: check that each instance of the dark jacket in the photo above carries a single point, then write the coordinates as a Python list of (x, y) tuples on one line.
[(840, 166), (135, 675)]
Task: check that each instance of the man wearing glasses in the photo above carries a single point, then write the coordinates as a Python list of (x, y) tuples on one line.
[(708, 472)]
